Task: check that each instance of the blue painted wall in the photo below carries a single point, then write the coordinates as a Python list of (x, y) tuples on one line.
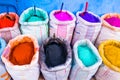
[(98, 7)]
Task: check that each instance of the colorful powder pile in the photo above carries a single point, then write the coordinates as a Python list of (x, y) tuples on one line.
[(112, 53), (22, 54), (63, 16), (89, 17), (86, 55), (7, 21), (55, 54), (35, 18), (114, 21)]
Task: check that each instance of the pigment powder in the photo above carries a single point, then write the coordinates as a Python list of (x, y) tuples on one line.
[(22, 53), (89, 17), (86, 55), (112, 53), (63, 16), (35, 18), (6, 22), (114, 21), (55, 54)]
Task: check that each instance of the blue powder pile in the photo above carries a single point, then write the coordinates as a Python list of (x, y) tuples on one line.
[(86, 55), (35, 18)]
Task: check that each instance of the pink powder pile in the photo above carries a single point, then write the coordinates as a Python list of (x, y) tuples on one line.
[(63, 16), (114, 21)]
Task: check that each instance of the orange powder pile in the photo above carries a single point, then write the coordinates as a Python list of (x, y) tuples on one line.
[(112, 53), (7, 21), (22, 54)]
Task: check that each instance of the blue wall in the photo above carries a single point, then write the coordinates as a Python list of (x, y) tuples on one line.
[(98, 7)]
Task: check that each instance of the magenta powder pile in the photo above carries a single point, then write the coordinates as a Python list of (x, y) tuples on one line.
[(63, 16), (114, 21), (89, 17)]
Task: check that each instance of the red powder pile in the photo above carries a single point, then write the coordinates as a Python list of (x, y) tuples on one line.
[(22, 54), (7, 21), (114, 21)]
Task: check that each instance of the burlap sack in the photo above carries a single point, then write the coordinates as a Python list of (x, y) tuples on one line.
[(85, 29), (39, 29), (108, 31), (108, 71), (22, 72), (79, 70), (59, 72), (62, 29), (11, 32)]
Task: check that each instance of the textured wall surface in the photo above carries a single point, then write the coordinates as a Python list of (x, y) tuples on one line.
[(98, 7)]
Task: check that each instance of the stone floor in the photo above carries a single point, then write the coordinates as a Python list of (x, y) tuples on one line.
[(41, 78)]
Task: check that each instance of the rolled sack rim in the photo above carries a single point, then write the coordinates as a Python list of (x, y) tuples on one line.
[(106, 24), (54, 20), (87, 22), (33, 23)]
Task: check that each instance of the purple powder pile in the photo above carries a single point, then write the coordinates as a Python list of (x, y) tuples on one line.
[(89, 17)]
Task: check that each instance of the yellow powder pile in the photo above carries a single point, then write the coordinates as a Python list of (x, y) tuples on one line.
[(112, 53)]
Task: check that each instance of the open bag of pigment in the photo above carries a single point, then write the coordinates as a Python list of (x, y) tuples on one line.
[(56, 56)]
